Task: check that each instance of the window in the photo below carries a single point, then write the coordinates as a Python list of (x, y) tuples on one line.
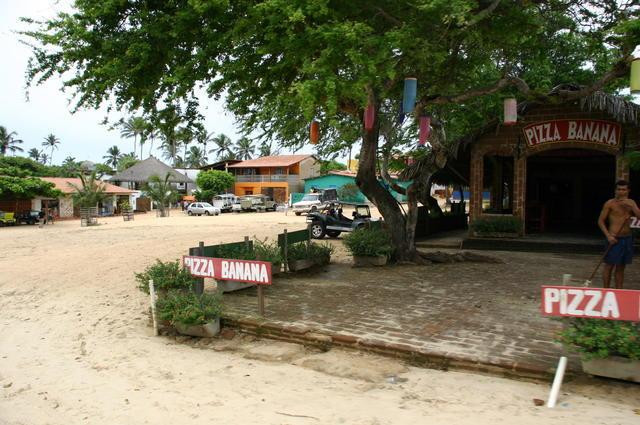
[(497, 185)]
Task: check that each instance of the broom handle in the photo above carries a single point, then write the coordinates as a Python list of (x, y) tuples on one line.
[(607, 250)]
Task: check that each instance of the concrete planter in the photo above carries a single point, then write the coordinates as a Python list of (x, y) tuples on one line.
[(207, 330), (364, 261), (297, 265), (232, 285), (613, 367)]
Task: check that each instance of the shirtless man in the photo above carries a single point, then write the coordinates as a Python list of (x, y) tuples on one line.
[(618, 212)]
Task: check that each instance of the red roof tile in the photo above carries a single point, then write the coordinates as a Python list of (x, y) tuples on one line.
[(271, 161), (63, 185)]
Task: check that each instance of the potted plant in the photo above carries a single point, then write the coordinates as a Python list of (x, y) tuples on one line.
[(192, 314), (608, 348), (166, 276), (497, 227), (304, 255), (369, 246)]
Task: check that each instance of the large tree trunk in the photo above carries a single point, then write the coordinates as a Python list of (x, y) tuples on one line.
[(366, 179)]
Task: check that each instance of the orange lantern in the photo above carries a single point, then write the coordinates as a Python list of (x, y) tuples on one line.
[(314, 132), (510, 111), (369, 117)]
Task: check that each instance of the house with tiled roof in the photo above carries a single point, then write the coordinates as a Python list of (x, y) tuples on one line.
[(63, 207), (274, 176)]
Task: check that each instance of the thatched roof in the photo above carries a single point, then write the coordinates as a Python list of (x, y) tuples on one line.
[(143, 170)]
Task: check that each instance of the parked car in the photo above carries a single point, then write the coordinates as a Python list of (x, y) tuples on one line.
[(314, 201), (330, 221), (199, 208), (7, 219), (254, 203), (28, 217), (224, 201)]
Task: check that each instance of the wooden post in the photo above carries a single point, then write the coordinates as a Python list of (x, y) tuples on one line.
[(286, 254), (309, 234), (152, 294), (261, 300)]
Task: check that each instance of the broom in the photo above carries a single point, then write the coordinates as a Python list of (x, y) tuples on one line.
[(588, 281)]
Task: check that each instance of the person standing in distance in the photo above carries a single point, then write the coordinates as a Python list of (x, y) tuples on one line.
[(614, 221)]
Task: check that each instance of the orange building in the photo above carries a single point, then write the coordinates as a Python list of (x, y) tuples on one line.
[(274, 176)]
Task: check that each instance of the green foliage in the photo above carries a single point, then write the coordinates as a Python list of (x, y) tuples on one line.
[(21, 167), (162, 192), (90, 193), (166, 276), (319, 252), (26, 188), (126, 161), (368, 242), (497, 225), (331, 165), (349, 192), (261, 250), (102, 169), (188, 308), (598, 338), (267, 251), (8, 142), (213, 182)]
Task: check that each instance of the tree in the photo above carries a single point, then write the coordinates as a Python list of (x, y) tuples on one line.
[(126, 161), (19, 180), (211, 183), (52, 142), (44, 158), (70, 167), (266, 150), (223, 146), (245, 148), (8, 142), (162, 192), (134, 127), (102, 169), (196, 157), (113, 156), (341, 57), (34, 154), (90, 192), (331, 165)]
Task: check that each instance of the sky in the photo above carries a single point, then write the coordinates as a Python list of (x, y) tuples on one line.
[(48, 111)]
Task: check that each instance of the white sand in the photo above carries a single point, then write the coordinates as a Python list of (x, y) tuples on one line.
[(76, 347)]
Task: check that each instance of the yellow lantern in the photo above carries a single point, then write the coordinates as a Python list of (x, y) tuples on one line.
[(635, 76)]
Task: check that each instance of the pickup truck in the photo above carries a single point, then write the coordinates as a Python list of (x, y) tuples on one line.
[(254, 203), (312, 202)]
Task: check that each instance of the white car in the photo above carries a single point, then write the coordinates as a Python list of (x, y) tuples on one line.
[(199, 208)]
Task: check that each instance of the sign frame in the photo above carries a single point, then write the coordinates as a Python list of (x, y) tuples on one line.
[(590, 303), (250, 271)]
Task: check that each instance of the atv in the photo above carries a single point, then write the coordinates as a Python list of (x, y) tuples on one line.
[(330, 221)]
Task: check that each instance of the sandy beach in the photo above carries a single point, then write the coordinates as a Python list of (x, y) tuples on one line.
[(76, 347)]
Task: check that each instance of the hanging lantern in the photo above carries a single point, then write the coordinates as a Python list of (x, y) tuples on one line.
[(635, 76), (425, 130), (314, 132), (510, 111), (369, 117), (409, 98)]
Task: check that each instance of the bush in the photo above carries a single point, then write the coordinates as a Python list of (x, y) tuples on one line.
[(368, 242), (321, 253), (497, 225), (259, 250), (599, 338), (166, 276), (349, 192), (188, 308), (265, 251)]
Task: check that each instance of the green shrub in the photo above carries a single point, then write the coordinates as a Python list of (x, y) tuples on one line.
[(599, 338), (188, 308), (265, 251), (166, 276), (258, 250), (497, 225), (320, 252), (368, 242)]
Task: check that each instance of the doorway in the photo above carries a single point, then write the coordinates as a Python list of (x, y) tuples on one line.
[(566, 189)]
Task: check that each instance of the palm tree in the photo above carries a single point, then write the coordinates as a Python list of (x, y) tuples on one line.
[(44, 158), (113, 156), (151, 133), (90, 193), (223, 145), (203, 138), (245, 148), (34, 154), (134, 127), (267, 150), (7, 141), (196, 157), (52, 142), (162, 192)]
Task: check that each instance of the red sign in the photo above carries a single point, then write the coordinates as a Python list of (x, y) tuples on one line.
[(258, 272), (562, 131), (595, 303)]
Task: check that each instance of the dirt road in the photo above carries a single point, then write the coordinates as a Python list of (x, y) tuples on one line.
[(75, 347)]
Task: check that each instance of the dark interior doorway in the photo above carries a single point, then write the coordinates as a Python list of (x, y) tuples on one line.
[(566, 189)]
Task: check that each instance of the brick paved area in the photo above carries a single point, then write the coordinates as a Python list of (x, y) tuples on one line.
[(473, 315)]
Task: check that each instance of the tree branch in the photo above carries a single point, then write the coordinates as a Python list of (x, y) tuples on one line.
[(384, 173), (483, 13)]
